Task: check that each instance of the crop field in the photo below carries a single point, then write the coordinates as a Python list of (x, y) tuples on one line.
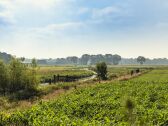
[(139, 101), (120, 71)]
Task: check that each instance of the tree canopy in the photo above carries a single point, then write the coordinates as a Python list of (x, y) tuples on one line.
[(141, 60), (101, 69), (16, 76)]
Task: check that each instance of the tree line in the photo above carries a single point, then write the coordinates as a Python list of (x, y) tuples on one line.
[(87, 59)]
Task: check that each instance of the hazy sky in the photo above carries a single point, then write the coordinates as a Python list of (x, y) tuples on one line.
[(60, 28)]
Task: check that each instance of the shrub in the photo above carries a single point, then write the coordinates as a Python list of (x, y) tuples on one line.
[(17, 77), (101, 69), (17, 72)]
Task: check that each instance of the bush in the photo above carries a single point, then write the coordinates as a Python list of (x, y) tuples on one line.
[(17, 73), (17, 77), (101, 69)]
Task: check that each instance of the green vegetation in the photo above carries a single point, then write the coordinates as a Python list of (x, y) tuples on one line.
[(116, 59), (115, 72), (101, 69), (141, 60), (44, 73), (3, 77), (139, 101), (17, 101), (16, 78), (22, 84), (5, 57)]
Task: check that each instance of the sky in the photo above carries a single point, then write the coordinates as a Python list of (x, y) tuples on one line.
[(61, 28)]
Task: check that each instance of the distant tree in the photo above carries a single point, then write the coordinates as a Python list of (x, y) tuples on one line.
[(101, 69), (108, 58), (93, 59), (84, 59), (61, 61), (116, 59), (41, 62), (22, 59), (34, 63), (96, 59), (5, 57), (141, 60), (100, 58), (72, 60), (68, 60)]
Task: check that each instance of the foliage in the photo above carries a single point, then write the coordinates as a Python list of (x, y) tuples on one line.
[(5, 57), (16, 77), (3, 77), (116, 59), (140, 101), (141, 60), (101, 69), (34, 63), (45, 73)]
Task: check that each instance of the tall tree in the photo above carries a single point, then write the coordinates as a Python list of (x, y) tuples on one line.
[(116, 59), (34, 63), (101, 69), (72, 60), (61, 61), (5, 57), (141, 60), (84, 59), (22, 59), (109, 58)]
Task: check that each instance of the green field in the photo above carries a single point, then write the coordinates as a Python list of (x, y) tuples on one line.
[(48, 72), (120, 71), (13, 102), (139, 101)]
